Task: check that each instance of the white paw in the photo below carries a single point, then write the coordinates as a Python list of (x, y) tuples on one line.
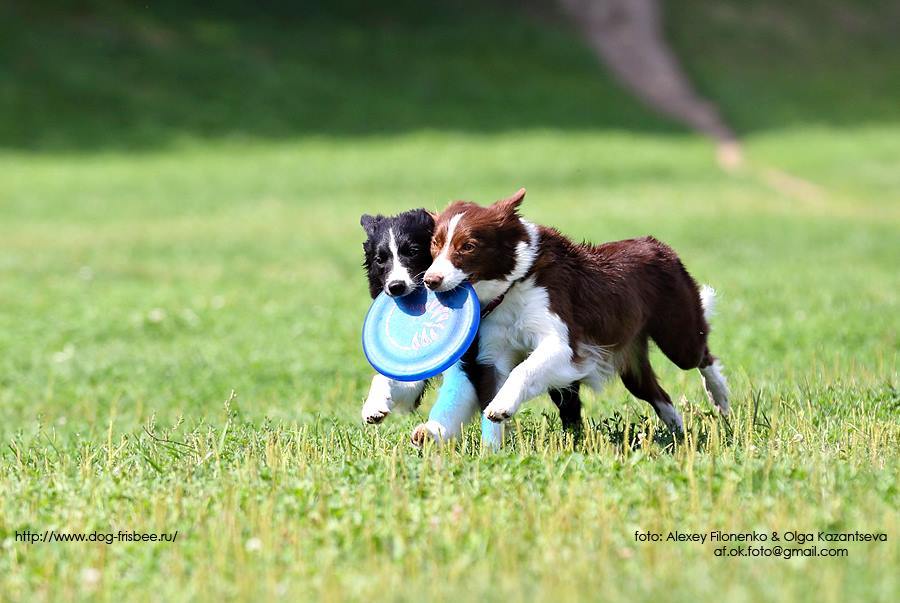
[(423, 431), (671, 418), (499, 410), (374, 411)]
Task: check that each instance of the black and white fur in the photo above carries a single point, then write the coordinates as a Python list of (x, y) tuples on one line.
[(396, 257), (397, 251)]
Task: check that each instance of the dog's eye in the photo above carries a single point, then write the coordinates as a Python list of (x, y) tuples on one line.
[(409, 250), (468, 246), (381, 258)]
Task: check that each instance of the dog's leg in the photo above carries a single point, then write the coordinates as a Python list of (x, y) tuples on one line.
[(568, 402), (387, 396), (456, 404), (547, 367), (714, 382), (645, 387), (639, 379), (492, 433), (492, 377)]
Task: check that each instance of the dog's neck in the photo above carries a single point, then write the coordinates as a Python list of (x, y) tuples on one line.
[(527, 250)]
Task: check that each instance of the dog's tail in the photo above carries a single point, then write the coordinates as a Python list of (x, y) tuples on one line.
[(708, 301)]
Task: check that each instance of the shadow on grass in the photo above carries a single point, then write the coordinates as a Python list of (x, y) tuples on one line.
[(97, 74), (624, 432), (632, 434)]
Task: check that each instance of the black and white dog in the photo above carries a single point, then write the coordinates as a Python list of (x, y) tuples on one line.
[(397, 253)]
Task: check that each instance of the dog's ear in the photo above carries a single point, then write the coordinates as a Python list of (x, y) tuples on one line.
[(510, 205), (369, 223), (426, 218)]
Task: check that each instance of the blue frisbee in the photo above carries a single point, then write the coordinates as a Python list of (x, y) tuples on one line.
[(421, 334)]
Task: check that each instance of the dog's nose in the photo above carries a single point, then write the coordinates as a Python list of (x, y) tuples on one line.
[(396, 287), (433, 281)]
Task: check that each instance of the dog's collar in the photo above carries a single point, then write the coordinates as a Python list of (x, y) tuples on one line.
[(492, 305)]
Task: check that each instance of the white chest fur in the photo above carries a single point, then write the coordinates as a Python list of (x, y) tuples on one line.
[(523, 322), (518, 324)]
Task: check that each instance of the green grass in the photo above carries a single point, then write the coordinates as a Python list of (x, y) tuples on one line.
[(156, 255)]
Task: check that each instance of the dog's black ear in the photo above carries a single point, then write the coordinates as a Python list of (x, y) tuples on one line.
[(426, 218), (369, 223)]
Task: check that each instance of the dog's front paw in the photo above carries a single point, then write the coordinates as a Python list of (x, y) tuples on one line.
[(424, 431), (374, 411), (498, 411)]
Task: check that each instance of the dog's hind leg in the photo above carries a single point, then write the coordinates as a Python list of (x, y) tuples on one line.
[(714, 382), (710, 367), (568, 402), (681, 330), (639, 379)]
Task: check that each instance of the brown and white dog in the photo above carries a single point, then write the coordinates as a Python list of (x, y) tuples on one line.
[(564, 312)]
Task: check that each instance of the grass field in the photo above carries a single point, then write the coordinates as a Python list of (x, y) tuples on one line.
[(167, 239)]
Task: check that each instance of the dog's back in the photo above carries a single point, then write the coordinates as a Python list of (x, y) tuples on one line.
[(611, 293)]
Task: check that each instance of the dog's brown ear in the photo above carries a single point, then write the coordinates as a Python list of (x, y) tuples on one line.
[(511, 204)]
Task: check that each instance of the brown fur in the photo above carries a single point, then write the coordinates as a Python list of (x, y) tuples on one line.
[(484, 242), (611, 294), (620, 294), (617, 295)]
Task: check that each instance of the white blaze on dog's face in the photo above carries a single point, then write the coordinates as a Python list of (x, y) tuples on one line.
[(477, 243), (442, 273), (397, 251), (398, 280)]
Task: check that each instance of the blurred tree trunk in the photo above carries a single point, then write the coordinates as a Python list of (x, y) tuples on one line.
[(627, 35)]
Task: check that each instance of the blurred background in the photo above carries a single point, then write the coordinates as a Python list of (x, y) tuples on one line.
[(95, 75), (181, 182)]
